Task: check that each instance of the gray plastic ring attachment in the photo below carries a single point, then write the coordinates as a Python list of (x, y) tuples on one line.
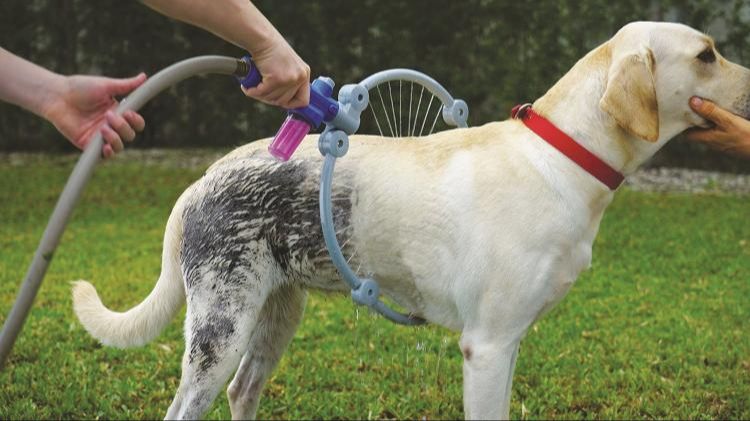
[(456, 114), (364, 291), (367, 293), (355, 95), (334, 143)]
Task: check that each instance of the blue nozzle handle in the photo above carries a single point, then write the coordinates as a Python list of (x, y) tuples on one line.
[(252, 78)]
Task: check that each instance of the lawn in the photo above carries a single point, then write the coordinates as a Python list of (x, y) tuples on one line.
[(657, 328)]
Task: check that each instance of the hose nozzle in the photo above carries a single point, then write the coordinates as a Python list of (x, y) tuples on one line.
[(299, 122), (289, 136)]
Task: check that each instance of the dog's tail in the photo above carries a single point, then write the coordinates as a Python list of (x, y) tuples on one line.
[(142, 323)]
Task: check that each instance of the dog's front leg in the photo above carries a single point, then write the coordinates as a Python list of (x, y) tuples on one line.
[(488, 374)]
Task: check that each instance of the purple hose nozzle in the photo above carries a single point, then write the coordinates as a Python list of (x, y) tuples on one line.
[(300, 121)]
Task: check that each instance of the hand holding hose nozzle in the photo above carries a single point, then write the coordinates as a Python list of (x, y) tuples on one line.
[(300, 121)]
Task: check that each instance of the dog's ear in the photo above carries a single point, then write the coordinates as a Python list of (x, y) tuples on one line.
[(630, 96)]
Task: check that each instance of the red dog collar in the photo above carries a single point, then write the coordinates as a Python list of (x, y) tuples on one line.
[(568, 146)]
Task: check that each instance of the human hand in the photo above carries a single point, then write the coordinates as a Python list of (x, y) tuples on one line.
[(83, 105), (731, 133), (286, 77)]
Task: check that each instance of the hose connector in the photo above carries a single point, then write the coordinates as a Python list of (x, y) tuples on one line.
[(247, 73)]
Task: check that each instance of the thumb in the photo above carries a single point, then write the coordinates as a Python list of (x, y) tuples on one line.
[(710, 111), (125, 86)]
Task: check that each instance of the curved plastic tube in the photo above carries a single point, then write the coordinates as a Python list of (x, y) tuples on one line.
[(409, 75), (329, 230), (455, 111), (334, 143), (332, 244), (81, 175)]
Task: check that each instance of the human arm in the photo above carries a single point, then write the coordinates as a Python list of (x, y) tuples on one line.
[(731, 133), (77, 105), (286, 77)]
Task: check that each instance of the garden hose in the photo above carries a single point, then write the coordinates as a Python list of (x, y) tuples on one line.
[(82, 173)]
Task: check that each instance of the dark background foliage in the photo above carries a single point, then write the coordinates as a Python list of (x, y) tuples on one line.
[(493, 54)]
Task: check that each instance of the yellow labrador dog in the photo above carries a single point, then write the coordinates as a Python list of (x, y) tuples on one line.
[(480, 230)]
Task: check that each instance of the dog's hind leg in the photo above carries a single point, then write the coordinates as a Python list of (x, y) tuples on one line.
[(220, 319), (278, 321)]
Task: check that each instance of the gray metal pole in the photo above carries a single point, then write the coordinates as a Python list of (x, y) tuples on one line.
[(81, 175)]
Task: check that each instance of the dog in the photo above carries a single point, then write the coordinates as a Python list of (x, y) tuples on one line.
[(480, 230)]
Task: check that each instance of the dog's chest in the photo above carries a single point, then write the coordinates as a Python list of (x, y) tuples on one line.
[(572, 256), (563, 274)]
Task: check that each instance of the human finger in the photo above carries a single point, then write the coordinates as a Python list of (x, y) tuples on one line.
[(107, 151), (259, 92), (284, 101), (112, 139), (279, 97), (295, 89), (124, 86), (702, 135), (135, 120), (265, 92), (710, 111), (121, 126), (300, 98)]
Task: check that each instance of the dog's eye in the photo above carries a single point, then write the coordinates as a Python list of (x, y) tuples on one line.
[(707, 56)]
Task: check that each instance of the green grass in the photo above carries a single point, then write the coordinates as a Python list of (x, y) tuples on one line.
[(658, 328)]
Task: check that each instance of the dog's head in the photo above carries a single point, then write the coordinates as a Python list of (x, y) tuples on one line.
[(656, 67)]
